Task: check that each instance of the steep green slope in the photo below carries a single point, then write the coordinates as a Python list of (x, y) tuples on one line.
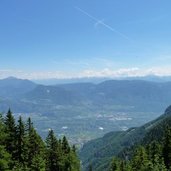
[(100, 151)]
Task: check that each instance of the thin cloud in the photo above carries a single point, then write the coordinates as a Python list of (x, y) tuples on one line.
[(102, 23), (106, 72), (123, 72)]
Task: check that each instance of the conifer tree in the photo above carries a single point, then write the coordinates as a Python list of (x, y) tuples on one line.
[(140, 159), (52, 153), (167, 147), (90, 168), (74, 149), (35, 148), (115, 164), (37, 164), (158, 163), (21, 142), (75, 160), (2, 129), (5, 159), (65, 145), (10, 137), (29, 126), (154, 149)]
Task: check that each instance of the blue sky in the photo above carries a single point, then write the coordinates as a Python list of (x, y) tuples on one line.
[(78, 38)]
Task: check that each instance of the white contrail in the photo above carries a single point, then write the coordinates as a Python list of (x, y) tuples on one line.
[(102, 23)]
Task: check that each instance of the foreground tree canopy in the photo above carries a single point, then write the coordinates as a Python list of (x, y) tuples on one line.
[(154, 156), (22, 149)]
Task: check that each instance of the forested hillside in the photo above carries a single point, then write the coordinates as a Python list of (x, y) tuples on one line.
[(152, 156), (139, 148), (22, 149)]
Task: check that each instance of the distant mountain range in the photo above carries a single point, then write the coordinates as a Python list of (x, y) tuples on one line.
[(12, 87), (137, 94), (94, 109), (98, 80)]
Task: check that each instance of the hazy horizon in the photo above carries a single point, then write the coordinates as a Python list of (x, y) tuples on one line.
[(74, 39)]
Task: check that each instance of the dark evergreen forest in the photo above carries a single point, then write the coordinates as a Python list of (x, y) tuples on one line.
[(22, 149)]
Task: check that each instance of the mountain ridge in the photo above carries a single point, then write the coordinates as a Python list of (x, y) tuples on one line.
[(13, 87), (95, 109)]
